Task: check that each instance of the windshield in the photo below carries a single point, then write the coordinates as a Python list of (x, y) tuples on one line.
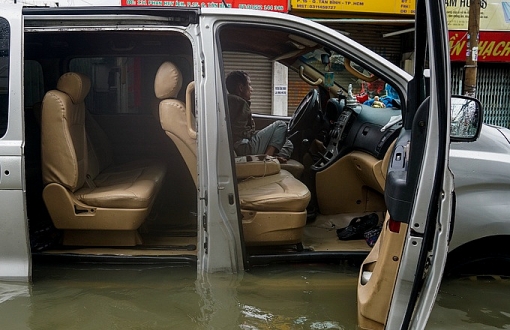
[(347, 75)]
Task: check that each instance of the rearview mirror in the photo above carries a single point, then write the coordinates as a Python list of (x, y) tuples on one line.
[(467, 118)]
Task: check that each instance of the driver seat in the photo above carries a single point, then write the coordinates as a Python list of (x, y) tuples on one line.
[(273, 203)]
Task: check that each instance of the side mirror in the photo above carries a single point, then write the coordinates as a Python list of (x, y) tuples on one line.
[(467, 119)]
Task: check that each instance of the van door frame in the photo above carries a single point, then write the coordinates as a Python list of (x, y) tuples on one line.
[(15, 257), (220, 247)]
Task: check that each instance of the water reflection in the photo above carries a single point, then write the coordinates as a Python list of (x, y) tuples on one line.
[(11, 291), (472, 303), (219, 304), (16, 296), (291, 297), (277, 297)]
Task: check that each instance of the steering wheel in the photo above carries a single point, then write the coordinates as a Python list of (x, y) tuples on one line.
[(339, 113), (305, 113)]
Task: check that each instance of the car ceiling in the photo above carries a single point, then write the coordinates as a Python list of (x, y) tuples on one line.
[(68, 44), (272, 43), (275, 44)]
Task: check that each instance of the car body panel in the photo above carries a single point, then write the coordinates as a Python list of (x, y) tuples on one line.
[(419, 197), (15, 261), (220, 247), (482, 186)]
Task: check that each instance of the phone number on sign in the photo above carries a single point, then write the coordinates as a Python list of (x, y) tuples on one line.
[(261, 7)]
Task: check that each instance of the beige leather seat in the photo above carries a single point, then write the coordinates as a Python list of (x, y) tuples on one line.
[(95, 202), (273, 206), (294, 167)]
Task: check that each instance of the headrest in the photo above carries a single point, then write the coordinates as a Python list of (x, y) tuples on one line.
[(74, 84), (168, 81)]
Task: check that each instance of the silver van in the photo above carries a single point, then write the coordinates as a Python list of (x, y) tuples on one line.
[(116, 145)]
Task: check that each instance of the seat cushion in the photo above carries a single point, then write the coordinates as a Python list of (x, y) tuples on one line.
[(132, 185), (279, 192), (133, 195), (128, 172)]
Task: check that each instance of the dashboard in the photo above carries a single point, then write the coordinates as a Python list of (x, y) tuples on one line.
[(357, 127)]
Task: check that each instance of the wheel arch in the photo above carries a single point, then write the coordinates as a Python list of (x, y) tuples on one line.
[(484, 256)]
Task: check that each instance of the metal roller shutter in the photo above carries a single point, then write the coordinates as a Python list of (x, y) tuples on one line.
[(297, 91), (260, 70), (492, 89), (371, 36)]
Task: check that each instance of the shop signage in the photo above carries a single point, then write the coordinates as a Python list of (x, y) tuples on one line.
[(271, 5), (494, 15), (401, 7), (493, 46)]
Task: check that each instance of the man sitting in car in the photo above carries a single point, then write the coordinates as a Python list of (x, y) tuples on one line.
[(271, 140)]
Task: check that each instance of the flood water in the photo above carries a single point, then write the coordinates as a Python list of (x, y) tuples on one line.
[(273, 297)]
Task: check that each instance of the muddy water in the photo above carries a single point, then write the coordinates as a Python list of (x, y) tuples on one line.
[(276, 297), (472, 303)]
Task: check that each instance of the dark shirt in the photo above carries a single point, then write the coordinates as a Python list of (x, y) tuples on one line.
[(241, 121)]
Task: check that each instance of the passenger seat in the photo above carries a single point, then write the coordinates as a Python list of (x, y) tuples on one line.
[(273, 206), (95, 202)]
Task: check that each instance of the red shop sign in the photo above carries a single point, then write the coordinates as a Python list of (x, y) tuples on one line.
[(271, 5), (493, 46)]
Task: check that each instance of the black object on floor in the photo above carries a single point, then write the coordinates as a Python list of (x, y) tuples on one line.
[(357, 227)]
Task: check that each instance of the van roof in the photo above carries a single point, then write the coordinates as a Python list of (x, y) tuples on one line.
[(179, 15)]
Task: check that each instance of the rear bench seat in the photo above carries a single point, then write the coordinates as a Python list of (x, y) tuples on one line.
[(94, 201), (106, 173)]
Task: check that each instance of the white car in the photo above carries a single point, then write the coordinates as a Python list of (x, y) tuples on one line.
[(116, 146), (481, 228)]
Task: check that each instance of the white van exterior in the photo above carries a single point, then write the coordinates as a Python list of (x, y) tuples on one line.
[(115, 144)]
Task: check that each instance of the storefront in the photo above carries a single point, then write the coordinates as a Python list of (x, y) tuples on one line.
[(386, 27), (493, 55)]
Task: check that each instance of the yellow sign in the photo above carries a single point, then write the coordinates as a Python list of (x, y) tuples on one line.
[(494, 15), (403, 7)]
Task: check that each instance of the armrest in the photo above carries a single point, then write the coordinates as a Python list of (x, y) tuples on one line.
[(256, 166)]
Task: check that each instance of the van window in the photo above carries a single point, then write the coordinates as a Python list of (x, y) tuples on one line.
[(260, 69), (277, 86), (121, 85), (4, 74), (34, 83)]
